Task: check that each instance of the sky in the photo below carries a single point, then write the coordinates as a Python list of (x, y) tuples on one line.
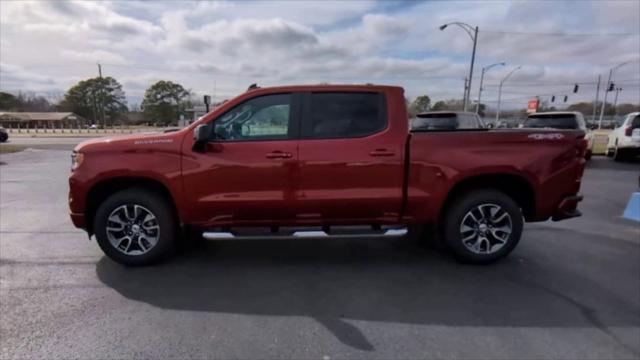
[(221, 47)]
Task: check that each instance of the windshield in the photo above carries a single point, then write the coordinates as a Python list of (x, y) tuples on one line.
[(560, 121)]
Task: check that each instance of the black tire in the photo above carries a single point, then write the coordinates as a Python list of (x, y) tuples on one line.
[(4, 137), (618, 154), (149, 201), (466, 202)]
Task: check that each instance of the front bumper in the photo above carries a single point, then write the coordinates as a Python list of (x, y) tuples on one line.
[(78, 220), (568, 208)]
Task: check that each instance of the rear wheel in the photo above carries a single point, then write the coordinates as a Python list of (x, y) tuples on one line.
[(4, 136), (135, 227), (482, 226)]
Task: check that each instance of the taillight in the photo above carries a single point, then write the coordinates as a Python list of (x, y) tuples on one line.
[(628, 130)]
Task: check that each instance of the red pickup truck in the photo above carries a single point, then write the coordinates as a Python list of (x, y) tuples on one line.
[(325, 160)]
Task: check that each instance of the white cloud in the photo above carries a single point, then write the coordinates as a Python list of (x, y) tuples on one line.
[(228, 45), (94, 56)]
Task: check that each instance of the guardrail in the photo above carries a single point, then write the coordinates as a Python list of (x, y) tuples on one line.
[(84, 131)]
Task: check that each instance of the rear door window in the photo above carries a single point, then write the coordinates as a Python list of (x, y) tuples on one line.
[(635, 122), (344, 115)]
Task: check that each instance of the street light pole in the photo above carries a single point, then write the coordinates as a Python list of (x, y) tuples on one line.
[(484, 70), (473, 59), (473, 34), (500, 92)]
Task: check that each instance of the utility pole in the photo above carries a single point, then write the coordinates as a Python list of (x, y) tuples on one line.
[(615, 101), (101, 100), (595, 104), (473, 59), (464, 94)]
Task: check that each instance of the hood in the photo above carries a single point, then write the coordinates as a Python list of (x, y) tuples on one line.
[(126, 142)]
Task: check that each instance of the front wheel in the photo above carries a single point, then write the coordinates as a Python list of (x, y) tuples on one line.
[(135, 227), (482, 226)]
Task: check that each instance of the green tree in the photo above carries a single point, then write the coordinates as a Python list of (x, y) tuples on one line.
[(420, 104), (24, 102), (164, 101), (8, 102), (624, 109), (451, 105), (101, 99), (586, 108)]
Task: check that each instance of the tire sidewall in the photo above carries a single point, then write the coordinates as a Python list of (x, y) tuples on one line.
[(154, 203), (463, 204)]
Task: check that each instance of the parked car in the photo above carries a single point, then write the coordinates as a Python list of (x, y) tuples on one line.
[(624, 141), (446, 121), (316, 161), (568, 120), (4, 135)]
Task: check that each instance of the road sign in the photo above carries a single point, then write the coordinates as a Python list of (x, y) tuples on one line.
[(533, 106)]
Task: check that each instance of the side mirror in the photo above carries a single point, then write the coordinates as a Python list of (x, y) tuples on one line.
[(202, 133)]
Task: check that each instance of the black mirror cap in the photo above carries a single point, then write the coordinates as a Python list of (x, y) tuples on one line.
[(202, 133)]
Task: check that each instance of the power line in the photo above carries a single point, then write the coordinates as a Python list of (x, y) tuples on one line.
[(556, 33), (563, 84)]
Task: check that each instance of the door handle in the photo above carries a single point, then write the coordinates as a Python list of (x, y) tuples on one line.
[(381, 152), (278, 155)]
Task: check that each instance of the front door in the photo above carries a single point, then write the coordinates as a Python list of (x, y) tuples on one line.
[(246, 175)]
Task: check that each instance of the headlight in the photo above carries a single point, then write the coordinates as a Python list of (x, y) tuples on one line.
[(76, 160)]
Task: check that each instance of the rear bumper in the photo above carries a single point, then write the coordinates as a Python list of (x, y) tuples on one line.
[(568, 208)]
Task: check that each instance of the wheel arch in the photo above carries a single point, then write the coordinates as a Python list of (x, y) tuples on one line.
[(516, 187), (103, 189)]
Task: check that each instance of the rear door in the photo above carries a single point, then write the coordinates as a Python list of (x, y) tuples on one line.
[(351, 160)]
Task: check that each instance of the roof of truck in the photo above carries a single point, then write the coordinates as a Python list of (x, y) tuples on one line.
[(329, 87)]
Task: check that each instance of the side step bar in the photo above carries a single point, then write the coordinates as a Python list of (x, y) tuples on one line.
[(225, 235)]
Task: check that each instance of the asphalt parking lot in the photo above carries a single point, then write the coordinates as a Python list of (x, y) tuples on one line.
[(570, 290)]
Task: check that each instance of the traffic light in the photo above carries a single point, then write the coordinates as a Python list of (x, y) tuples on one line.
[(566, 98), (575, 88), (553, 98), (611, 87)]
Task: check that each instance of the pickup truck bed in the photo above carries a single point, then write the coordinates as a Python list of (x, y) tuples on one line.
[(322, 160)]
